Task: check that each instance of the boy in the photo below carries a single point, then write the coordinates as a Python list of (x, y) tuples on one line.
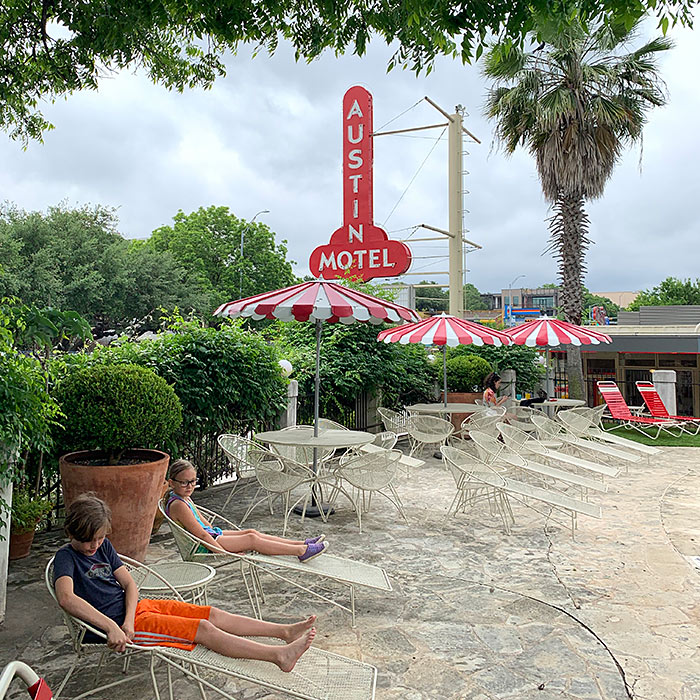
[(93, 584)]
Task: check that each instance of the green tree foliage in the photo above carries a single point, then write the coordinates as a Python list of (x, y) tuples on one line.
[(352, 362), (226, 378), (28, 413), (472, 298), (433, 299), (670, 292), (116, 408), (207, 243), (52, 49), (525, 361), (75, 259), (575, 102), (465, 373)]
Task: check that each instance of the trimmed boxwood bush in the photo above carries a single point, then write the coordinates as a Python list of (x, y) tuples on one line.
[(466, 373), (113, 408)]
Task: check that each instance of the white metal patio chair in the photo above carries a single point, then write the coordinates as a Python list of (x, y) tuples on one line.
[(554, 430), (237, 450), (321, 570), (493, 451), (587, 425), (328, 424), (367, 474), (318, 675), (466, 469), (557, 502), (394, 421), (528, 444), (482, 422), (278, 477), (427, 430)]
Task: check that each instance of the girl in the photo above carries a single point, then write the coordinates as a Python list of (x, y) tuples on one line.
[(181, 508), (492, 383)]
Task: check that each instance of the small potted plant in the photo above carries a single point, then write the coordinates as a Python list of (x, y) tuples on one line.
[(27, 511), (122, 417)]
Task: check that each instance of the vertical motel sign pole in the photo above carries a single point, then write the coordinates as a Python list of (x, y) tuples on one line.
[(359, 247)]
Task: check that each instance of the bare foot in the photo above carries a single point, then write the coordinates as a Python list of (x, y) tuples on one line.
[(292, 652), (298, 628)]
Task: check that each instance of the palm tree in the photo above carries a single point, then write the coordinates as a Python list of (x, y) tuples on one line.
[(575, 102)]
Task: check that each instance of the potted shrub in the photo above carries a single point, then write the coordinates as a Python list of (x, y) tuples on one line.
[(118, 415), (465, 378), (27, 511)]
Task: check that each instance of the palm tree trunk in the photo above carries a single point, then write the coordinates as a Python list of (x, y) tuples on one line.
[(569, 239)]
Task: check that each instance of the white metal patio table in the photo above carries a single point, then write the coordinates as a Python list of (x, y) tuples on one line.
[(303, 436), (190, 579), (551, 406)]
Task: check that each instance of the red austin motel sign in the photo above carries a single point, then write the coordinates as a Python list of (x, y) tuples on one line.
[(358, 246)]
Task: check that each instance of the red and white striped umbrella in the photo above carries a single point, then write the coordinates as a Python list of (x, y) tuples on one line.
[(550, 332), (444, 330), (319, 300)]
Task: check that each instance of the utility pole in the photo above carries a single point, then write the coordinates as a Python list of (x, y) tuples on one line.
[(455, 231)]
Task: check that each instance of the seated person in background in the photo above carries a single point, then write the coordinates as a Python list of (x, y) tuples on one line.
[(181, 508), (92, 584), (491, 385)]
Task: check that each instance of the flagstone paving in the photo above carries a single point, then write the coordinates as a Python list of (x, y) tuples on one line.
[(475, 614)]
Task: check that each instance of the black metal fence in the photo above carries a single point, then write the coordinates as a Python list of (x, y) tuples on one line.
[(356, 416)]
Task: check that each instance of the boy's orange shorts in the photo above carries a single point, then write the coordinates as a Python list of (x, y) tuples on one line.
[(168, 623)]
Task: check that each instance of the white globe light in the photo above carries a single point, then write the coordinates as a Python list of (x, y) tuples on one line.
[(431, 358), (286, 366)]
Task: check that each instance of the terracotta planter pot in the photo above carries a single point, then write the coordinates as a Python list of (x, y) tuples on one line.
[(20, 544), (460, 397), (130, 490)]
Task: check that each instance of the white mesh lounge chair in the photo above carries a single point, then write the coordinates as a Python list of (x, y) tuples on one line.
[(367, 474), (328, 424), (556, 502), (318, 675), (484, 422), (528, 444), (554, 430), (466, 470), (395, 421), (237, 450), (493, 451), (427, 430), (278, 477), (321, 570), (586, 424)]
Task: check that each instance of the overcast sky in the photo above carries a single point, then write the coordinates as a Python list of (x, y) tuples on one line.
[(268, 136)]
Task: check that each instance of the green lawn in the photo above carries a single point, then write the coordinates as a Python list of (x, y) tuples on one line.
[(664, 440)]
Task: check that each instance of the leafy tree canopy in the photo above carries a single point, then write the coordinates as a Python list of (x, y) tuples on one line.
[(207, 243), (670, 292), (53, 48), (75, 259), (432, 299)]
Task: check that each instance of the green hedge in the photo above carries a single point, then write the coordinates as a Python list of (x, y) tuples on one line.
[(466, 373)]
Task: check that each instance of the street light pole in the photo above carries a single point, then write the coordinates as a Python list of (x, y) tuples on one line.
[(510, 299), (240, 262)]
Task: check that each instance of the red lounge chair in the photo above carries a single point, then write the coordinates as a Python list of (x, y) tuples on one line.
[(620, 412), (658, 409)]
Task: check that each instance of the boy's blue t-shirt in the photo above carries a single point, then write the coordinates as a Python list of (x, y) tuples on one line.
[(93, 578)]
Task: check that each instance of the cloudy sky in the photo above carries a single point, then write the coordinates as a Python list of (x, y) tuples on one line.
[(268, 136)]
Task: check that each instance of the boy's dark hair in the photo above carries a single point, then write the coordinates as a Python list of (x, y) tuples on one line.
[(178, 466), (86, 516)]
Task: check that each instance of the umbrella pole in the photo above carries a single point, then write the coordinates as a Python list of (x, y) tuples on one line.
[(317, 509), (444, 374)]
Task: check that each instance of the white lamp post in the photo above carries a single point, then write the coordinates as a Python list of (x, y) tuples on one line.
[(245, 228), (510, 298)]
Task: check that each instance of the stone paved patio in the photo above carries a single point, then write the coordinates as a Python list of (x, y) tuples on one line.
[(475, 614)]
